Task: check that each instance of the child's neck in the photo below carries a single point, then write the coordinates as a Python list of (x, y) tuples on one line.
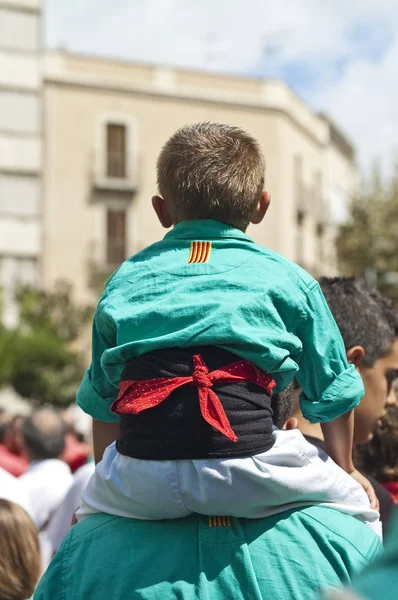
[(307, 428)]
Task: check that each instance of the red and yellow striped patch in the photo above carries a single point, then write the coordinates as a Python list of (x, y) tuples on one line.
[(200, 252), (219, 522)]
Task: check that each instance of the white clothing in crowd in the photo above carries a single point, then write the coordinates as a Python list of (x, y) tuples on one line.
[(60, 523), (11, 489), (46, 483)]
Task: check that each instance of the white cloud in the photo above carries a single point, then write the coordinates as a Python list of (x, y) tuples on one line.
[(340, 54)]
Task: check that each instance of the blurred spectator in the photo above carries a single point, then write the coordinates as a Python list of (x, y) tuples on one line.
[(48, 478), (62, 520), (11, 446), (12, 489), (369, 328), (19, 551), (76, 452)]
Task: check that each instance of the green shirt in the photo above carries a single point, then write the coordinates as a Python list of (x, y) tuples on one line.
[(291, 556), (245, 298)]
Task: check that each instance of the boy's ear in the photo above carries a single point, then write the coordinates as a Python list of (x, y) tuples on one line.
[(355, 356), (160, 208), (291, 423), (261, 208)]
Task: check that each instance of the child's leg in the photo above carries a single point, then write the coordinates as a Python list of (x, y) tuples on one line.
[(103, 435), (291, 474), (129, 487)]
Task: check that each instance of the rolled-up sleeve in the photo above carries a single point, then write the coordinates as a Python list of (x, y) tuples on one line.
[(96, 392), (93, 403), (344, 393), (330, 386)]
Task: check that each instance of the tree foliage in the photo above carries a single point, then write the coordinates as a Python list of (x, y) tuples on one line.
[(367, 244), (40, 358)]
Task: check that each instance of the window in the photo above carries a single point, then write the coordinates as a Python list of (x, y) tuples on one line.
[(116, 237), (116, 151), (19, 30), (320, 233), (300, 219), (317, 194)]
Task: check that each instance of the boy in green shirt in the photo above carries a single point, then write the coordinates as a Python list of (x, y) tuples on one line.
[(190, 339)]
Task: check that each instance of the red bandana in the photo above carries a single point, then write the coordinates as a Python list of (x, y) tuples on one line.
[(136, 396)]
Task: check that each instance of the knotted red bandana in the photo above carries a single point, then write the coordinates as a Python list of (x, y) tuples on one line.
[(136, 396)]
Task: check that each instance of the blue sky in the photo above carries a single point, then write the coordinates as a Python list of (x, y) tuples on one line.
[(339, 55)]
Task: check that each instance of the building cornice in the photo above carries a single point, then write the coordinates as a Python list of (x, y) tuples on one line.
[(33, 7), (273, 97)]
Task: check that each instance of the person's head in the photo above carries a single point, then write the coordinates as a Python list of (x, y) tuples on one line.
[(4, 426), (20, 563), (369, 329), (282, 405), (211, 171), (12, 438), (44, 435)]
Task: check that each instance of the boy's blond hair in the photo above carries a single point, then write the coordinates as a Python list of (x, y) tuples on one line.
[(211, 171)]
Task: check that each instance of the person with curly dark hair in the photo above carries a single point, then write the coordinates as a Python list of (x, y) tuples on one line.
[(369, 328)]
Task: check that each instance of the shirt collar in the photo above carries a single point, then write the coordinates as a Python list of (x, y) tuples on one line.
[(205, 230)]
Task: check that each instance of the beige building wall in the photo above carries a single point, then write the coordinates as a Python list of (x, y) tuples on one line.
[(82, 94), (340, 184)]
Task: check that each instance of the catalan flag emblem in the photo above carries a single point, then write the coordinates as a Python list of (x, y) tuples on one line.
[(219, 522), (200, 252)]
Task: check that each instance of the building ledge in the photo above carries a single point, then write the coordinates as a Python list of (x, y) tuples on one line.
[(114, 185)]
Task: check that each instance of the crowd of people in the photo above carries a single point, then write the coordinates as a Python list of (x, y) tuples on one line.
[(191, 510), (42, 460)]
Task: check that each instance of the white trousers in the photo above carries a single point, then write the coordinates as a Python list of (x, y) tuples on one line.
[(293, 473)]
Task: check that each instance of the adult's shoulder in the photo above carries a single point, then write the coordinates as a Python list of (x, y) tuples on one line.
[(325, 528), (353, 537), (82, 567), (54, 583), (310, 548)]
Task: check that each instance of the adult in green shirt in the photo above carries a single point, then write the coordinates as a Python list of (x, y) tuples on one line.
[(290, 556)]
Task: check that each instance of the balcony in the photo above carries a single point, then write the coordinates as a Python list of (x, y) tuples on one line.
[(125, 185)]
